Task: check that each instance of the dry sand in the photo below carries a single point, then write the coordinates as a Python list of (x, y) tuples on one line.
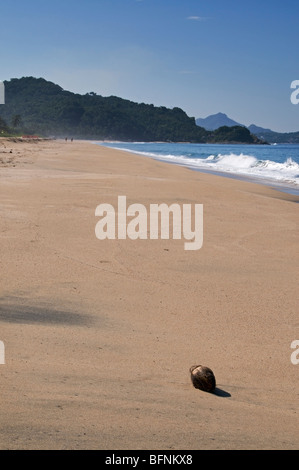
[(100, 335)]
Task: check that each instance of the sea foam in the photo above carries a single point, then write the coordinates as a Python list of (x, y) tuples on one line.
[(241, 164), (234, 162)]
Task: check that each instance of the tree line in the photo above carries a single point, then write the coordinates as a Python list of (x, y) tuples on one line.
[(37, 106)]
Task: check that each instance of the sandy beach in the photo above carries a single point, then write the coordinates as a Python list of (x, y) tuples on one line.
[(99, 335)]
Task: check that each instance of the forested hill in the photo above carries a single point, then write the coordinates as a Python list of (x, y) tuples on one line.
[(37, 106)]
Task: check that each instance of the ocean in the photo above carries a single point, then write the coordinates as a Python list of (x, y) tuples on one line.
[(275, 165)]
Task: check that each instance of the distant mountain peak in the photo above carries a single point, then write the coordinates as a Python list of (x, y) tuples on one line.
[(219, 114), (214, 121), (257, 129)]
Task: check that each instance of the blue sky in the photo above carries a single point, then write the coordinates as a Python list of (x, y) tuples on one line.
[(237, 57)]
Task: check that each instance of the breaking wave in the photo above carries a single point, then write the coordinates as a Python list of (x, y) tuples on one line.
[(215, 158), (246, 165)]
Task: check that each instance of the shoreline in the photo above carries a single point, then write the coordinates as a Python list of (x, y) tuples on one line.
[(100, 335), (276, 185)]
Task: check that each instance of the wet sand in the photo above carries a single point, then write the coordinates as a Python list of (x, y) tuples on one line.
[(100, 335)]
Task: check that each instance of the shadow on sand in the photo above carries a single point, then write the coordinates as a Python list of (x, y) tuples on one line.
[(43, 314), (221, 393)]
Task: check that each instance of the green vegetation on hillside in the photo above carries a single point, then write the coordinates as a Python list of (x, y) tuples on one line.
[(5, 130), (233, 134), (280, 137), (36, 106)]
